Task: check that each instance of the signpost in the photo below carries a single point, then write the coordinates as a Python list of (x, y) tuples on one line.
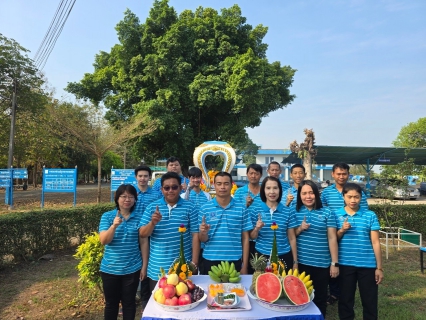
[(122, 176), (6, 181), (59, 180)]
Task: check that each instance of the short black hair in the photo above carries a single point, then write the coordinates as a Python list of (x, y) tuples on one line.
[(172, 159), (143, 168), (170, 175), (274, 163), (297, 165), (340, 165), (263, 185), (255, 167), (223, 174), (122, 189), (351, 187), (318, 202), (194, 172)]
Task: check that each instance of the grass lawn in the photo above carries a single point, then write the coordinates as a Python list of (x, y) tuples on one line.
[(49, 290)]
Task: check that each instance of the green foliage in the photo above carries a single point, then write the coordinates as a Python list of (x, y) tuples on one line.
[(90, 254), (203, 75), (410, 217), (413, 135), (27, 235)]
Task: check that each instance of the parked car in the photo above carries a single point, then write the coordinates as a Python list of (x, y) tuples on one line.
[(422, 188), (393, 188)]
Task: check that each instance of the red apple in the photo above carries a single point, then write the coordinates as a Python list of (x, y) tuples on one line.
[(185, 299), (162, 282), (172, 302), (190, 284), (169, 291)]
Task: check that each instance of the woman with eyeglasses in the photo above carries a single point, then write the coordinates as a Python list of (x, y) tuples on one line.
[(316, 241), (359, 253), (121, 266)]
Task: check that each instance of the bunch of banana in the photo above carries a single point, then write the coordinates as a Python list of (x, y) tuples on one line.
[(306, 278), (224, 272)]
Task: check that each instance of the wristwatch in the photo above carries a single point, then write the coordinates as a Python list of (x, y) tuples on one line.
[(335, 264)]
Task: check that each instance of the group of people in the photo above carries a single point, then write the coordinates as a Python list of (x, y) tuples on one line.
[(332, 237)]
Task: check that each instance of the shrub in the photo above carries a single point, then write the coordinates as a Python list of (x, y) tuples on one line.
[(90, 254)]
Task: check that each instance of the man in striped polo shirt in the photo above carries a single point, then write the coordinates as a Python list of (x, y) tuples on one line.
[(332, 198), (224, 228), (145, 196), (194, 193), (173, 165), (251, 191), (274, 170), (298, 174), (161, 221)]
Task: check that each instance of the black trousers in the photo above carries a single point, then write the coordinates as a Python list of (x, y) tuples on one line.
[(145, 292), (120, 288), (368, 290), (319, 277), (207, 265)]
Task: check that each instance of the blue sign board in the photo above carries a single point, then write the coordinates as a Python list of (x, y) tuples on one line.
[(6, 181), (122, 176), (59, 180)]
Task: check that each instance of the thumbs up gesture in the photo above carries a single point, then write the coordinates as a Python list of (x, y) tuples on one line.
[(305, 226), (117, 220), (249, 199), (204, 227), (290, 197), (259, 224), (156, 216), (346, 225)]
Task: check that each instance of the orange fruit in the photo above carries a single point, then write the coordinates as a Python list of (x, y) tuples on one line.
[(239, 291)]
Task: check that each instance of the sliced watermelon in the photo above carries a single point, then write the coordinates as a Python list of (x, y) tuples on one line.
[(295, 290), (268, 287)]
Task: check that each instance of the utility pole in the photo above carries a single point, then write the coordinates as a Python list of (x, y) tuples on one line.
[(12, 129)]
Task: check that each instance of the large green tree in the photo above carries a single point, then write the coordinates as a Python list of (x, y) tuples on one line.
[(413, 135), (204, 75)]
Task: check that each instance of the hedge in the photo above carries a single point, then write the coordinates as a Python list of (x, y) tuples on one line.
[(411, 217), (31, 234)]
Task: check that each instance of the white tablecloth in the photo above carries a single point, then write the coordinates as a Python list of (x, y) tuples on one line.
[(152, 312)]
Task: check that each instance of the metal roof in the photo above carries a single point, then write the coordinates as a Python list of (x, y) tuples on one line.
[(363, 155)]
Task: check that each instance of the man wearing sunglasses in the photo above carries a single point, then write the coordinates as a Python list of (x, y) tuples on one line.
[(161, 221), (173, 165), (224, 228)]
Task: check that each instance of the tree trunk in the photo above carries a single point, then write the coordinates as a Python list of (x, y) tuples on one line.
[(98, 199), (307, 163)]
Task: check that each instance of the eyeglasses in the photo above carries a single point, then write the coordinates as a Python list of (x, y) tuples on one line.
[(174, 187), (127, 197)]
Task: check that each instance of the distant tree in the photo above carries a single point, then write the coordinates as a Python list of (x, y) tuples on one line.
[(203, 75), (306, 151), (86, 127), (359, 169), (413, 135)]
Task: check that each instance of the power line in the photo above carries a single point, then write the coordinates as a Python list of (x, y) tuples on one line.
[(56, 26)]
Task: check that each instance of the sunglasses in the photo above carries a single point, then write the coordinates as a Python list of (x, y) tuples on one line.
[(174, 187)]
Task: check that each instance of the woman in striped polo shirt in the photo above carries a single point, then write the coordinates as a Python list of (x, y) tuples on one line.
[(122, 262), (316, 241), (359, 254)]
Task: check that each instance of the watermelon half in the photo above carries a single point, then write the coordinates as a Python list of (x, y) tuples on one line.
[(268, 287), (295, 290)]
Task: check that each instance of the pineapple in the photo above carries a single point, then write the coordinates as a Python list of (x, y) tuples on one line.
[(258, 263)]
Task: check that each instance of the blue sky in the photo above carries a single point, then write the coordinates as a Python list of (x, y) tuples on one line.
[(361, 64)]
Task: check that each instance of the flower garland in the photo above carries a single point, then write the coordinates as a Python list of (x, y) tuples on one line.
[(180, 266)]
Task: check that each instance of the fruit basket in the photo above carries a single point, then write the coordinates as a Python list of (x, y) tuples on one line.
[(281, 305), (180, 308)]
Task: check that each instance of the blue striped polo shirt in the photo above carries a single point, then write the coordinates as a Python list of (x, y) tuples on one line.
[(198, 199), (293, 191), (285, 186), (145, 198), (226, 227), (355, 248), (122, 255), (312, 244), (284, 218), (165, 238), (241, 194), (157, 185), (333, 198)]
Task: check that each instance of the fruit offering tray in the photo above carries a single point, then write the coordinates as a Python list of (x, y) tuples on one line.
[(281, 305), (214, 288)]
